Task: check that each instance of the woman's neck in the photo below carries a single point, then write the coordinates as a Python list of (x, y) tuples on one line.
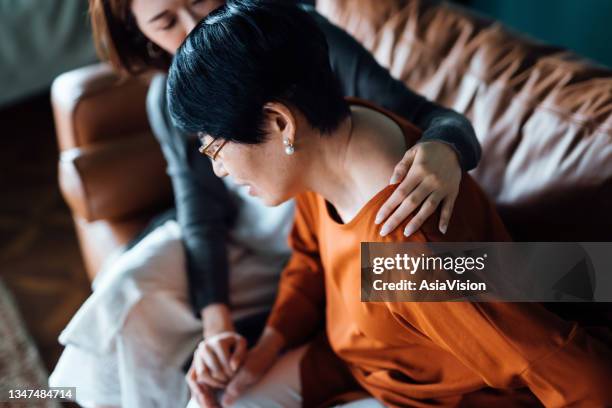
[(357, 161)]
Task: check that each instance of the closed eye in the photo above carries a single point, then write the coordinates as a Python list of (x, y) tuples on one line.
[(169, 24)]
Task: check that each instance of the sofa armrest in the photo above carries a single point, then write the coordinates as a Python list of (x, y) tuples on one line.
[(111, 167), (115, 180), (92, 105)]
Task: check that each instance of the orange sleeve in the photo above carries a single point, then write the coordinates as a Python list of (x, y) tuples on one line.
[(300, 304), (512, 344)]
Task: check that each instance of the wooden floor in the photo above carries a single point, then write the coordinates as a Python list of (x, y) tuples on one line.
[(39, 256)]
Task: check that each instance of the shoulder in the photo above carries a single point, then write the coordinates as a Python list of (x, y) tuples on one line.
[(156, 96), (338, 40), (157, 109)]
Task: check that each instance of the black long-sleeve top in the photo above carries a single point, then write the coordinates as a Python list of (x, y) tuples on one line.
[(204, 210)]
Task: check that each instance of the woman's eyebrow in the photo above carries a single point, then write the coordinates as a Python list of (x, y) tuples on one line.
[(158, 16)]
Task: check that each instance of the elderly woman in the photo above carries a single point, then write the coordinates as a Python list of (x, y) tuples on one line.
[(254, 80)]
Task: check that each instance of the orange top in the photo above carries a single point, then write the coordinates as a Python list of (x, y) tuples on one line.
[(437, 353)]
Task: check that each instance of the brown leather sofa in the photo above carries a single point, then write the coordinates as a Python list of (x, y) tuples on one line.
[(542, 114)]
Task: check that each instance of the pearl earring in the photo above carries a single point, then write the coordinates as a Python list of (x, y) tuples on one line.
[(289, 149)]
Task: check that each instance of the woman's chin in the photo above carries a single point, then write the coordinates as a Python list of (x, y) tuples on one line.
[(268, 199), (271, 201)]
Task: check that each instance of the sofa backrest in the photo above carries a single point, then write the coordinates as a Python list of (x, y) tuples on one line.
[(542, 114)]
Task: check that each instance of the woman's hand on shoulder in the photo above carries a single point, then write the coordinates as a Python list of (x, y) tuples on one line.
[(430, 175)]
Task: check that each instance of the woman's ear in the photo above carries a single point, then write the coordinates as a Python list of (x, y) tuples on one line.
[(281, 122)]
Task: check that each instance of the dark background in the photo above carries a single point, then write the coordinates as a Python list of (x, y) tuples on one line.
[(582, 26)]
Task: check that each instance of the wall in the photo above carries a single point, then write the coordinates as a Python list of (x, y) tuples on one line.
[(583, 26), (39, 39)]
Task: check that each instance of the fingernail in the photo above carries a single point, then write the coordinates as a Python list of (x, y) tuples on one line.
[(443, 228), (384, 231), (378, 219), (408, 231), (393, 180)]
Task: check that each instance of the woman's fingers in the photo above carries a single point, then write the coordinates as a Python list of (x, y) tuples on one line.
[(402, 168), (221, 350), (202, 393), (202, 371), (447, 211), (239, 384), (398, 196), (212, 362), (428, 208), (429, 167), (257, 361), (218, 357), (190, 378), (239, 354), (407, 207)]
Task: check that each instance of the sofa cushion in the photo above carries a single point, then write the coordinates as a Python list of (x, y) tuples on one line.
[(542, 114)]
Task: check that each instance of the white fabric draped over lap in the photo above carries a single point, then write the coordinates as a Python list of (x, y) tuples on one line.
[(127, 343)]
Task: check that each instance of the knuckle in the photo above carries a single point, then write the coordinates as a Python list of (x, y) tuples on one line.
[(401, 191), (435, 180), (401, 168), (424, 165), (414, 200)]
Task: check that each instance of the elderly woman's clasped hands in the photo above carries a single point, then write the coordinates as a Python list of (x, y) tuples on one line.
[(223, 369)]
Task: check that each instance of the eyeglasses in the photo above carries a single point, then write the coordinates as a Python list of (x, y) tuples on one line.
[(212, 148)]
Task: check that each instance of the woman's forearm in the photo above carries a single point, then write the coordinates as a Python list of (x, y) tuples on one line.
[(216, 319), (271, 340)]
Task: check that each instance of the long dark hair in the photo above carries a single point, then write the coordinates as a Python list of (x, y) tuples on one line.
[(119, 40)]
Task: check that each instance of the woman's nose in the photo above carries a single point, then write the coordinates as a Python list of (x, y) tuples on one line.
[(189, 20)]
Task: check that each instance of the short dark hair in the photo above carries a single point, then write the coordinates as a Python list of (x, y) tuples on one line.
[(248, 53)]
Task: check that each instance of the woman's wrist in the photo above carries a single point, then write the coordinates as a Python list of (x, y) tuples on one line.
[(271, 341), (216, 318)]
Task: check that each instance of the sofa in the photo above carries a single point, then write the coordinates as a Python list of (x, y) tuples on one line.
[(543, 116)]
